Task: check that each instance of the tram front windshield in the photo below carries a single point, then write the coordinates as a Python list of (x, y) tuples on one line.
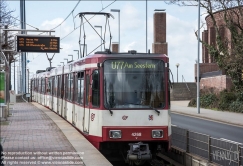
[(134, 83)]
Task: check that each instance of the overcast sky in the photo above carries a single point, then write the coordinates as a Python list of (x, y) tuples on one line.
[(181, 26)]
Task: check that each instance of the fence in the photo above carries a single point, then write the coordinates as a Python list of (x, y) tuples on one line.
[(214, 150)]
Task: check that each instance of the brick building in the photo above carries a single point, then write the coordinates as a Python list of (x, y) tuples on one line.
[(210, 74)]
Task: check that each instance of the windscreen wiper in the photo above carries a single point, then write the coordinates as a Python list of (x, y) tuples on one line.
[(111, 112), (155, 110)]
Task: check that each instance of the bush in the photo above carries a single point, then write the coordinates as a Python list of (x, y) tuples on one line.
[(208, 100), (192, 103), (236, 106), (226, 98), (228, 101), (240, 96)]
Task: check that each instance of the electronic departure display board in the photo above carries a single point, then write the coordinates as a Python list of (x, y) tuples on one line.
[(38, 44)]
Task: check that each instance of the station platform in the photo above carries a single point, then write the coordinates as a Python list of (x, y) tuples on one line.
[(34, 135), (231, 118)]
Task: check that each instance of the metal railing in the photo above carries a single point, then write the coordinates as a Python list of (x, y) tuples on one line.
[(214, 150), (185, 82)]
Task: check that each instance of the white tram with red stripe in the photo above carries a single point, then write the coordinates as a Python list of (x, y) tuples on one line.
[(116, 100)]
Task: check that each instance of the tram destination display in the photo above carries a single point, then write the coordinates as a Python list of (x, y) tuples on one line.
[(38, 44)]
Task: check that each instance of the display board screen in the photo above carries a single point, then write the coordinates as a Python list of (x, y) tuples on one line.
[(38, 44)]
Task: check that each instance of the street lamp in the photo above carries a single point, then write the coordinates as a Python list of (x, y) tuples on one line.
[(78, 52), (177, 65), (72, 56), (198, 55), (96, 26), (62, 63), (66, 59), (117, 10)]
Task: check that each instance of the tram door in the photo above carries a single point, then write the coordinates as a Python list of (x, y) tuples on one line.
[(87, 102)]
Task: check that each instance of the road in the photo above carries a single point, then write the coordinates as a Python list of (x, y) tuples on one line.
[(214, 129)]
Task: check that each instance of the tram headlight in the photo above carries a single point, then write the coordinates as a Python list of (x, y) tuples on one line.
[(115, 134), (157, 133)]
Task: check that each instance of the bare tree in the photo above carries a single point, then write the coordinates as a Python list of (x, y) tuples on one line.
[(7, 21), (226, 51)]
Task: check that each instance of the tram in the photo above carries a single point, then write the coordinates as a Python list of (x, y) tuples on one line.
[(118, 101)]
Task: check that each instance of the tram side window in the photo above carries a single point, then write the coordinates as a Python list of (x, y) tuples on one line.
[(95, 89), (36, 85), (32, 85), (70, 87), (52, 86), (55, 86), (80, 87), (49, 86), (43, 85), (39, 88), (66, 86), (87, 90), (58, 86)]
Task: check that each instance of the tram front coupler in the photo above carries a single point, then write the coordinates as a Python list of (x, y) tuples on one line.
[(139, 151)]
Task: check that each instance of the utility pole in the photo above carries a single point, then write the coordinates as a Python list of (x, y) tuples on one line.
[(146, 26), (23, 54), (8, 57), (14, 75)]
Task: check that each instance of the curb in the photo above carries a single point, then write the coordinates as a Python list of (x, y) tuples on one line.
[(207, 118)]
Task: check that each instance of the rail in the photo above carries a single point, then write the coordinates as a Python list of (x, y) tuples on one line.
[(219, 151), (185, 82)]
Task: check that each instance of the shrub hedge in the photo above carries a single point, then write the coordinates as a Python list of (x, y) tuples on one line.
[(225, 101)]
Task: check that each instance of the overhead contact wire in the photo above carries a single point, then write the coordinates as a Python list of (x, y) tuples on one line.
[(88, 20)]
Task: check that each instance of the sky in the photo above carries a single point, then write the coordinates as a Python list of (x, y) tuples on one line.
[(182, 22)]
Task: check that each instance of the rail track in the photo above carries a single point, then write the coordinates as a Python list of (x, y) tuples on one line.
[(159, 160)]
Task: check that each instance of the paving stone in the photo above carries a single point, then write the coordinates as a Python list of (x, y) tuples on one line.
[(34, 139)]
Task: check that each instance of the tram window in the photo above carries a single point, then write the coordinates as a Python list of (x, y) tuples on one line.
[(32, 85), (43, 85), (39, 86), (55, 86), (49, 86), (95, 89), (36, 87), (62, 79), (87, 90), (66, 86), (70, 87), (58, 86), (80, 87)]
